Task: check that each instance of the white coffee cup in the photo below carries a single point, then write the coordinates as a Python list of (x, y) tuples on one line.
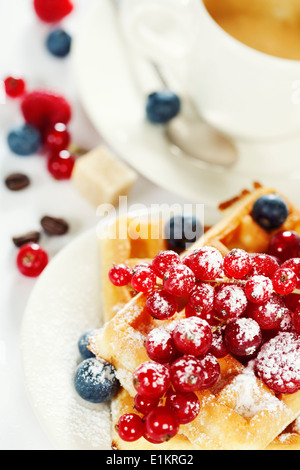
[(242, 92)]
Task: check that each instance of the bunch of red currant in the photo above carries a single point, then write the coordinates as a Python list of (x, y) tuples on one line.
[(244, 304)]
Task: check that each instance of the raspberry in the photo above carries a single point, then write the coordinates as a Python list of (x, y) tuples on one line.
[(243, 336), (284, 281), (206, 263), (258, 289), (151, 379), (52, 11), (278, 363), (161, 305), (237, 264), (268, 314), (192, 336), (186, 406), (43, 109), (230, 302), (179, 280)]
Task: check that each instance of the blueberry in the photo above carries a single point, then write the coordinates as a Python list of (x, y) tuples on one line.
[(83, 343), (59, 43), (24, 140), (162, 106), (270, 211), (95, 380), (182, 231)]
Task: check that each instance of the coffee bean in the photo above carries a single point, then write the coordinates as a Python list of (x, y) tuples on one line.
[(54, 226), (17, 181), (30, 237)]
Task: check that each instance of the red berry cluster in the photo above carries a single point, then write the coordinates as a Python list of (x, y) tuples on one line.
[(244, 304)]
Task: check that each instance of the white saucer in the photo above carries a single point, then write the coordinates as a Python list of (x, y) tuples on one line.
[(116, 106), (64, 304)]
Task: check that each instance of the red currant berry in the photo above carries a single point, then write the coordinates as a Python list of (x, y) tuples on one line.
[(57, 138), (130, 427), (269, 314), (243, 336), (52, 11), (186, 406), (286, 323), (120, 275), (160, 345), (192, 336), (201, 302), (258, 289), (292, 301), (151, 379), (263, 264), (179, 280), (237, 264), (218, 347), (145, 404), (161, 424), (14, 87), (206, 263), (163, 261), (143, 279), (284, 281), (294, 264), (230, 302), (186, 374), (61, 165), (32, 260), (285, 245), (211, 369), (161, 305), (296, 320), (278, 363)]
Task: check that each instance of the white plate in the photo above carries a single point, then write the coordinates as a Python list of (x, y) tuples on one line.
[(116, 106), (65, 303)]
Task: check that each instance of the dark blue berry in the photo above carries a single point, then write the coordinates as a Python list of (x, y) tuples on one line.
[(95, 380), (24, 140), (270, 211), (59, 43), (162, 106), (83, 344), (182, 231)]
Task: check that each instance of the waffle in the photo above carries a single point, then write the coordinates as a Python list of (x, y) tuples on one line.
[(226, 421)]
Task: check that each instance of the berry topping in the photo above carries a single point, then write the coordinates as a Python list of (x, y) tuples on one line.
[(24, 140), (59, 43), (95, 380), (14, 87), (161, 305), (181, 231), (258, 289), (57, 138), (120, 275), (162, 106), (270, 211), (284, 281), (130, 427), (151, 379), (296, 320), (186, 406), (269, 314), (192, 336), (243, 336), (294, 264), (285, 245), (32, 260), (163, 261), (161, 424), (43, 109), (201, 302), (61, 165), (230, 302), (263, 264), (186, 374), (278, 363), (179, 280), (144, 404), (211, 371), (83, 344), (237, 264), (160, 345), (143, 279), (206, 263), (52, 11), (218, 347)]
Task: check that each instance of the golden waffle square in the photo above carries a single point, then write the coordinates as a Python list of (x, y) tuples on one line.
[(223, 422)]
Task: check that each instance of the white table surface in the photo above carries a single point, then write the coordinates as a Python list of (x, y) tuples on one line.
[(23, 52)]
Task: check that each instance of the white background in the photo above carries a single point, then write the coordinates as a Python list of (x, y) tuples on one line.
[(22, 51)]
